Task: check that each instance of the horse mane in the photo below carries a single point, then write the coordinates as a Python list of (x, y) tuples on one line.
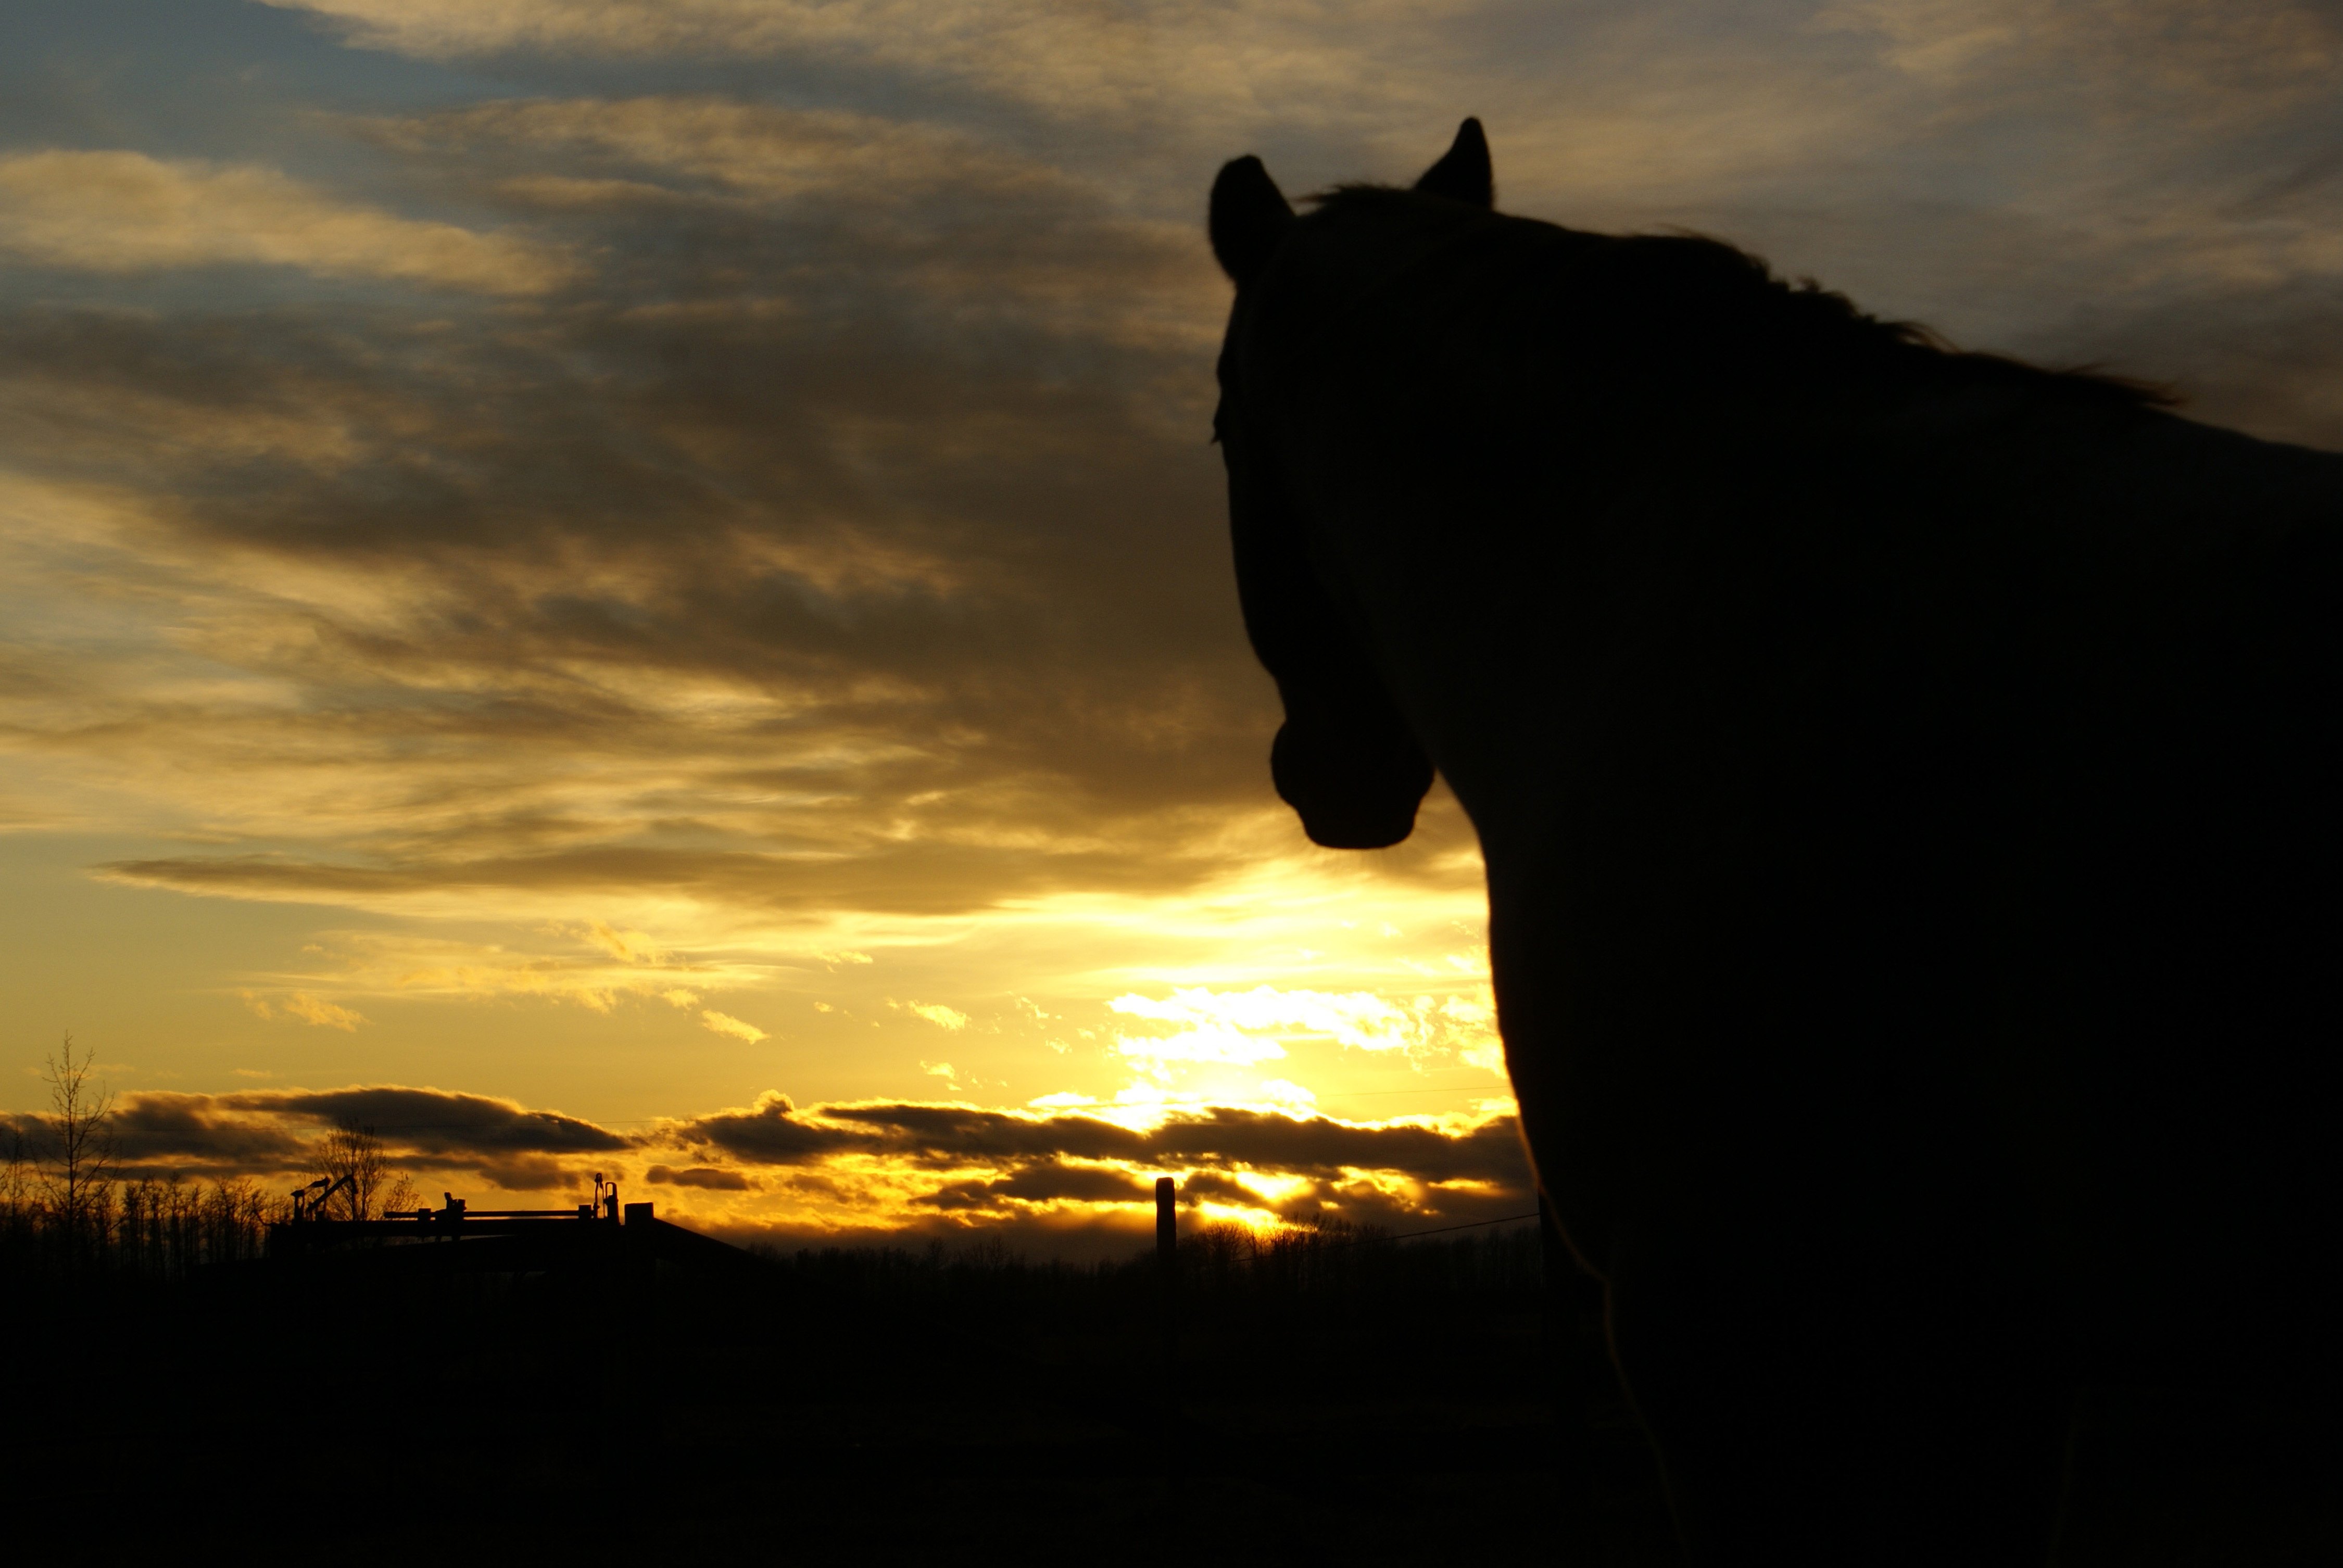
[(1692, 283)]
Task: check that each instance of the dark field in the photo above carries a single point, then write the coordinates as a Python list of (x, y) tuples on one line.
[(1342, 1401), (1365, 1402)]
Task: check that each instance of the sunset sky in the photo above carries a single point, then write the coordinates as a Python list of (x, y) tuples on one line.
[(642, 587)]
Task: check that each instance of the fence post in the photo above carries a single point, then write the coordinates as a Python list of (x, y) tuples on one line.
[(1167, 1270)]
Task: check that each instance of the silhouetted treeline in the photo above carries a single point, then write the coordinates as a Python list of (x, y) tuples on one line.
[(1220, 1267), (143, 1229), (68, 1214), (1232, 1263)]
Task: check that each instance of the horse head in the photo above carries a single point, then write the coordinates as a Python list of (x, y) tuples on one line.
[(1346, 759)]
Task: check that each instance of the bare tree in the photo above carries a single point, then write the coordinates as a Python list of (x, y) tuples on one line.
[(16, 1206), (375, 1189), (236, 1217), (78, 1186)]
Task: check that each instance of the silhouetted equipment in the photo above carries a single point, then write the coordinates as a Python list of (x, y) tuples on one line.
[(309, 1203), (1167, 1221), (501, 1241), (1167, 1265)]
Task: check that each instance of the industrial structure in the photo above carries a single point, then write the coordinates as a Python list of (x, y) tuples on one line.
[(599, 1235)]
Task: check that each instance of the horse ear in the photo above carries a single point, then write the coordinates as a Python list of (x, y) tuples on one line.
[(1250, 218), (1463, 172)]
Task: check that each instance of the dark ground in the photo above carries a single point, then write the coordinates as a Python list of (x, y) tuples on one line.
[(1400, 1409), (1431, 1402)]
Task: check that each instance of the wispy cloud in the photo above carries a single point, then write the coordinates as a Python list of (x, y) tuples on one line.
[(548, 964), (128, 212), (1161, 62), (725, 1023), (1247, 1028), (305, 1007)]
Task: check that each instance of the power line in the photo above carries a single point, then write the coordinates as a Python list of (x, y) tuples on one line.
[(1443, 1229)]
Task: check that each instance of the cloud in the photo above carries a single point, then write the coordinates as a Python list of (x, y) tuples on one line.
[(305, 1007), (949, 1134), (1210, 1186), (1210, 1044), (1476, 1150), (861, 1164), (945, 634), (549, 963), (696, 147), (269, 1132), (524, 1173), (198, 1133), (725, 1023), (627, 947), (936, 1013), (997, 1167), (704, 1176), (1158, 64), (775, 1133), (2155, 47), (950, 617), (771, 1133), (933, 878), (436, 1122), (1360, 1019), (1246, 1028), (326, 1014), (1044, 1183), (121, 211)]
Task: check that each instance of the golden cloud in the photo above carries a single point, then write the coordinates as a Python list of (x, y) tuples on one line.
[(2129, 45), (1064, 57), (127, 212), (864, 1165), (1251, 1026), (752, 150), (725, 1023), (305, 1007)]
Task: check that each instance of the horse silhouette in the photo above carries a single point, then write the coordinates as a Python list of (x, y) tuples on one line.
[(1909, 787)]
